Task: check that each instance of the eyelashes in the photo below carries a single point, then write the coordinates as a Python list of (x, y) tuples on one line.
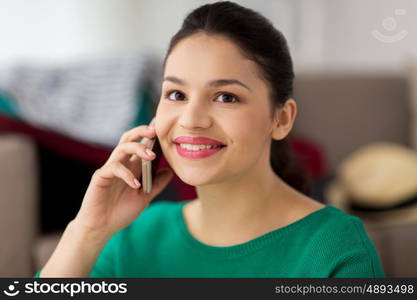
[(167, 94), (233, 96)]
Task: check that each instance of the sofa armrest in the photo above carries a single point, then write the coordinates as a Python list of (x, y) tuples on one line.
[(397, 248), (18, 204)]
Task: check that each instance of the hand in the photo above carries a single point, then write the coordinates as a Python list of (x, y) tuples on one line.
[(114, 197)]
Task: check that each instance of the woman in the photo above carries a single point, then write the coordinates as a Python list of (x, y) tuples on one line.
[(227, 87)]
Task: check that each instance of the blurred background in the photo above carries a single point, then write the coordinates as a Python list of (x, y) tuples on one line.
[(76, 74)]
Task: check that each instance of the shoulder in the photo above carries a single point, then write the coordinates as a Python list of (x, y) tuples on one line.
[(343, 242), (349, 232), (325, 219), (340, 226), (330, 231)]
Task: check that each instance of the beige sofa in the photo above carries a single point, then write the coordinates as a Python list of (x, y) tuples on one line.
[(341, 112), (18, 204)]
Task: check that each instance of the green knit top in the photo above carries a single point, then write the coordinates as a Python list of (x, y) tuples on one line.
[(326, 243)]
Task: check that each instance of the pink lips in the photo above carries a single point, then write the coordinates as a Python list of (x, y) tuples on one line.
[(197, 141)]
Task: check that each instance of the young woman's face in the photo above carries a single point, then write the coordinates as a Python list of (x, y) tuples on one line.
[(211, 90)]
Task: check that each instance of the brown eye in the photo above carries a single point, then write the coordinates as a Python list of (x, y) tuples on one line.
[(175, 95), (228, 98)]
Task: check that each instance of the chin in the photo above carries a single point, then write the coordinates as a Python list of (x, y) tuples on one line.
[(194, 175), (194, 178)]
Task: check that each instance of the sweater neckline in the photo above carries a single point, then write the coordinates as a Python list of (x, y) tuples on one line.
[(245, 247)]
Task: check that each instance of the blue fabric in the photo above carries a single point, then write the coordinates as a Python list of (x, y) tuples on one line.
[(7, 107)]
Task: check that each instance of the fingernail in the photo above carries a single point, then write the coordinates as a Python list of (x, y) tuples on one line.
[(149, 152), (137, 183)]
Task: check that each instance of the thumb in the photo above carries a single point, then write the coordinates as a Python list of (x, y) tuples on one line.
[(161, 180)]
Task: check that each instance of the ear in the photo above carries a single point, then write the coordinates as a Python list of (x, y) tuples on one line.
[(284, 118)]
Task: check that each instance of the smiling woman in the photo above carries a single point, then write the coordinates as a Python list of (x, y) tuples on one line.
[(222, 122)]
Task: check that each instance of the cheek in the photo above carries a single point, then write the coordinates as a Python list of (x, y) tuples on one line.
[(161, 111), (162, 125), (249, 132), (248, 125)]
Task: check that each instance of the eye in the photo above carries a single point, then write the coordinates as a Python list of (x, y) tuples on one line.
[(228, 98), (175, 94), (179, 96)]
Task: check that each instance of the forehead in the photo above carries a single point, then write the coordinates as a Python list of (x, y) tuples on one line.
[(203, 57)]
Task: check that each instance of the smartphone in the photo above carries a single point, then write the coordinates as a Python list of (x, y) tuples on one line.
[(149, 167)]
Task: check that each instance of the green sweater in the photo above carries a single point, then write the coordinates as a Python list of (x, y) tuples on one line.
[(326, 243)]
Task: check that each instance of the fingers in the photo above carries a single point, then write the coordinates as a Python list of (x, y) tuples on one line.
[(128, 149), (117, 169), (133, 158), (137, 133)]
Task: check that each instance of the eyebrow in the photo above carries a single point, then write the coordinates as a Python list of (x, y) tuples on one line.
[(212, 83)]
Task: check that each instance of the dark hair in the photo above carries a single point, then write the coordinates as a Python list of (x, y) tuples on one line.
[(265, 45)]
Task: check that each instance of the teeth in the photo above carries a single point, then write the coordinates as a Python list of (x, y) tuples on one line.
[(198, 147)]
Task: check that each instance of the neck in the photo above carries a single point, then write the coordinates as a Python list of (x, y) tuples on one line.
[(241, 206)]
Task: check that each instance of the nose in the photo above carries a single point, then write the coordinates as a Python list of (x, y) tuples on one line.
[(195, 115)]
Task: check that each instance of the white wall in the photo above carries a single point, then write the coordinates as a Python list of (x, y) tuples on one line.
[(322, 34), (159, 20), (64, 30), (348, 43)]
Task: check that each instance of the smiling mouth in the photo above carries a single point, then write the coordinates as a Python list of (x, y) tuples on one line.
[(192, 147)]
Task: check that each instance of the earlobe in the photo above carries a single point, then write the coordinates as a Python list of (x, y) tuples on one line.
[(276, 130), (278, 133)]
